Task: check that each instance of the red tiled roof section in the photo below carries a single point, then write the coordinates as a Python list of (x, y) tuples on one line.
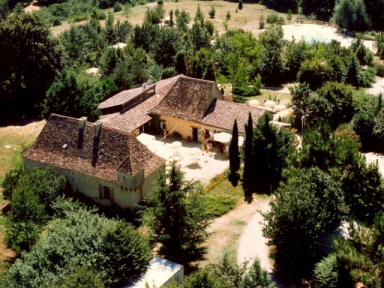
[(121, 98), (134, 117), (99, 158), (186, 100), (137, 115), (222, 114)]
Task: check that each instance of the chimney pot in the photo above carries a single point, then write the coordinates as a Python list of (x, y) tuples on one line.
[(97, 128), (82, 122)]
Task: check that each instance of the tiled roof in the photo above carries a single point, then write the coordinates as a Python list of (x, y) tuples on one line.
[(162, 87), (121, 98), (222, 114), (134, 117), (137, 115), (186, 100), (115, 150)]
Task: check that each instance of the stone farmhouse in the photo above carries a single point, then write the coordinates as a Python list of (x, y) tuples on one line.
[(188, 107), (104, 160), (108, 165)]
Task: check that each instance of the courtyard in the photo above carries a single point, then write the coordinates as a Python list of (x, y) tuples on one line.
[(195, 163)]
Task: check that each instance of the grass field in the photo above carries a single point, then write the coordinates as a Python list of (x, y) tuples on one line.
[(13, 140), (247, 18)]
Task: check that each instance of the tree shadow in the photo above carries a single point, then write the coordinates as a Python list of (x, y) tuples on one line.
[(261, 183)]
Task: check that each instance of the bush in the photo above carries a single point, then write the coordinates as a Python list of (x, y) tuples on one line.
[(218, 205), (379, 68), (160, 2), (168, 72), (244, 91), (78, 18), (326, 272), (56, 22), (274, 18), (366, 78), (101, 15), (117, 7)]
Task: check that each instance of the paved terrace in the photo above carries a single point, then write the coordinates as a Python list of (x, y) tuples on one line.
[(196, 164)]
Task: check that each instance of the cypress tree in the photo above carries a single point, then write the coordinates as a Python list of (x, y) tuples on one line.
[(240, 4), (353, 73), (247, 173), (379, 103), (234, 159)]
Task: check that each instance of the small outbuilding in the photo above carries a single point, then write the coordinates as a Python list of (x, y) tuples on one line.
[(160, 273)]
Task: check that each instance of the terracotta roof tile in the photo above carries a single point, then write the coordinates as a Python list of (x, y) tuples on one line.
[(134, 117), (86, 154), (137, 114), (186, 100), (222, 114)]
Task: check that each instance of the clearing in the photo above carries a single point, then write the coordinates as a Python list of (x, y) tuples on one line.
[(247, 18)]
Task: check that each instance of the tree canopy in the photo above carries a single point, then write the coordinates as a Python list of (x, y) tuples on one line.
[(31, 58), (309, 204), (176, 217)]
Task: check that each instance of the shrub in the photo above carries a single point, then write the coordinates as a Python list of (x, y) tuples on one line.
[(228, 16), (117, 7), (289, 15), (78, 18), (379, 68), (160, 2), (274, 18), (326, 272), (101, 15), (261, 22), (244, 91), (56, 22), (218, 205), (366, 78), (168, 72)]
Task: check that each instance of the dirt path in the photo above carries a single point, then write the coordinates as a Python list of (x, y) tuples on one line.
[(252, 244), (377, 87), (226, 230)]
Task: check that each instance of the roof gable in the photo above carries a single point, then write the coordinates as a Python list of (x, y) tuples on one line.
[(187, 99), (222, 114)]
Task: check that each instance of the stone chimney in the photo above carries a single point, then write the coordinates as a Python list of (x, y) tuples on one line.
[(82, 122), (228, 97), (97, 128)]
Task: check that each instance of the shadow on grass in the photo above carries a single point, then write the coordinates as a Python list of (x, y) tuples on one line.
[(261, 183)]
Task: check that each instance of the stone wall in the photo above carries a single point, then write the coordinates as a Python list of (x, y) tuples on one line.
[(89, 186), (185, 127)]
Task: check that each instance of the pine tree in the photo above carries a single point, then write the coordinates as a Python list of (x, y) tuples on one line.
[(176, 217), (240, 4), (353, 73), (247, 173), (212, 12), (234, 159)]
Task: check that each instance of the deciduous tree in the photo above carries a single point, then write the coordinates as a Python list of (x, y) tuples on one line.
[(309, 204), (30, 58)]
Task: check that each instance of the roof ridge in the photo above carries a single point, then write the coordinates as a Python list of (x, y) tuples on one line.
[(196, 79)]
